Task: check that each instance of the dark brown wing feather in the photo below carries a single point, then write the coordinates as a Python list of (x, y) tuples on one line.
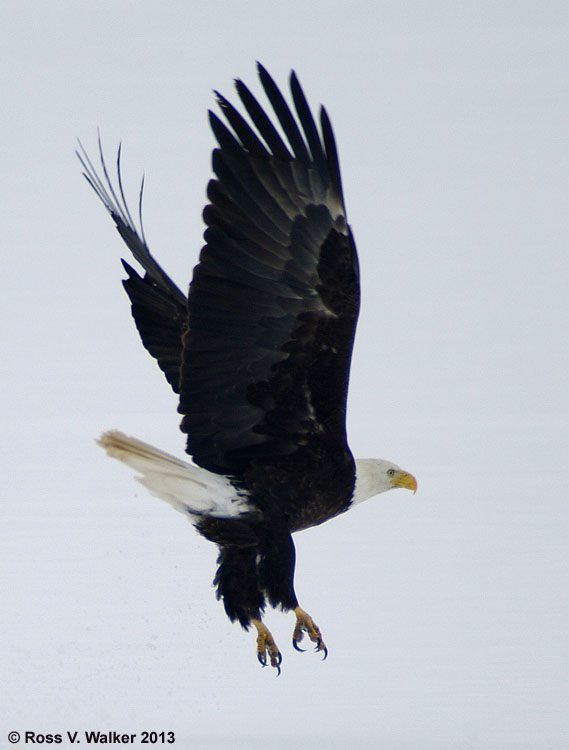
[(161, 320)]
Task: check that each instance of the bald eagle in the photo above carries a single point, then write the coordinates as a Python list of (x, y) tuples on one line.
[(258, 352)]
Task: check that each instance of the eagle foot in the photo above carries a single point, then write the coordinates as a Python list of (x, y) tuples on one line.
[(305, 624), (266, 646)]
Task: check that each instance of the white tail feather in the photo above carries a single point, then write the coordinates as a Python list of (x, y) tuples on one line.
[(187, 487)]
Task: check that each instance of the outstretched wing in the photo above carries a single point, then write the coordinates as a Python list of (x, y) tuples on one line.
[(159, 308), (274, 299)]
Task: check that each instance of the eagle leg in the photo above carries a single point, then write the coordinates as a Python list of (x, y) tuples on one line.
[(266, 645), (305, 624)]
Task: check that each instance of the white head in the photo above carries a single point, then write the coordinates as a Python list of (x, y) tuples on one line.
[(374, 476)]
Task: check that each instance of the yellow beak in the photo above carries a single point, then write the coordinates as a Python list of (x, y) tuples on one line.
[(403, 479)]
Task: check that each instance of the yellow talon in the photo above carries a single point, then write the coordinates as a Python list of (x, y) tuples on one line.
[(305, 624), (266, 645)]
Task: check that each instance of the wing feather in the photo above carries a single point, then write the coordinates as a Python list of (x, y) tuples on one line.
[(284, 116), (262, 122)]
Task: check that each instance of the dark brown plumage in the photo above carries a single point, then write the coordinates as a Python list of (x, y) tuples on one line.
[(260, 351)]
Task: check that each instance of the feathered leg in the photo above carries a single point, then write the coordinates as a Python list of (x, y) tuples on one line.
[(237, 582), (276, 573)]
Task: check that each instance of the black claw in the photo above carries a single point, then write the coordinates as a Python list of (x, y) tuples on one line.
[(276, 662), (321, 647), (296, 646), (262, 657)]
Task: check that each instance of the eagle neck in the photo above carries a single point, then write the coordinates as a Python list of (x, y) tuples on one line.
[(369, 480)]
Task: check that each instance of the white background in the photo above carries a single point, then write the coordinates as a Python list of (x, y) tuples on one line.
[(446, 614)]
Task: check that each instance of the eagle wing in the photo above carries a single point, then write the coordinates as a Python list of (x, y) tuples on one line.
[(260, 351), (158, 306), (274, 300)]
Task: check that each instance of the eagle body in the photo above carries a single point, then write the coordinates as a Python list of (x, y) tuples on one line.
[(259, 353)]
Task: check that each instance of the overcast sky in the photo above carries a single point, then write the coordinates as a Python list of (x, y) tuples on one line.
[(446, 613)]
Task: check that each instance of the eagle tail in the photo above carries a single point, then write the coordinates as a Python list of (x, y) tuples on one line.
[(188, 488)]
